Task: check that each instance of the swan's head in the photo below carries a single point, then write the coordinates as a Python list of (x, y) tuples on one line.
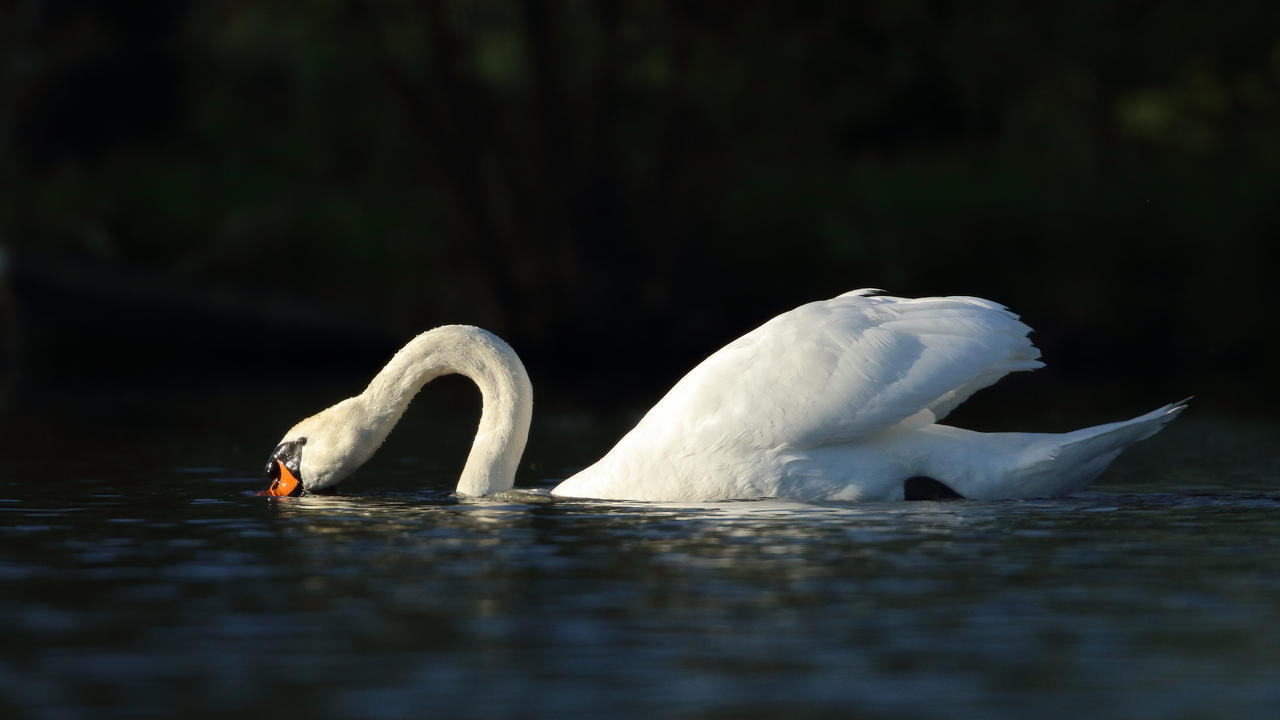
[(321, 451)]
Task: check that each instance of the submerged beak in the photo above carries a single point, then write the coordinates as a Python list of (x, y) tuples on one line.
[(285, 485)]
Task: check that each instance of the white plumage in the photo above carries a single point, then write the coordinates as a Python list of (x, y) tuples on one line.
[(835, 400)]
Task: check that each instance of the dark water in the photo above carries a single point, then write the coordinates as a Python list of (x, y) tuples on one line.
[(151, 589)]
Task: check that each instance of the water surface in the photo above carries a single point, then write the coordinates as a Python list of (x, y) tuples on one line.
[(139, 586)]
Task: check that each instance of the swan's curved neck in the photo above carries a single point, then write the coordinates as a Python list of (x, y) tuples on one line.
[(504, 386)]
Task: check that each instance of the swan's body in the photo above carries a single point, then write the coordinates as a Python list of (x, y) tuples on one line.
[(835, 400)]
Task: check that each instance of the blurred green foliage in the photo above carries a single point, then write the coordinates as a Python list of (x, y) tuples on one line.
[(626, 185)]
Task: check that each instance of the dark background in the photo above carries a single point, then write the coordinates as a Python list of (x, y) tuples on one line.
[(204, 196)]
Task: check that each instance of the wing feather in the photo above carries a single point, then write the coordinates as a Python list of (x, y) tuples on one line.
[(834, 371)]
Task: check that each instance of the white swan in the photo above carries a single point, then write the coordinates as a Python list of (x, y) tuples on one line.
[(834, 400)]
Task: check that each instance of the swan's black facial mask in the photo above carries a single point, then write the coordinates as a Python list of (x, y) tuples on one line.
[(284, 469)]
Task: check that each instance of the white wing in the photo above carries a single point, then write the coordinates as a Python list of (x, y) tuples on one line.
[(837, 370)]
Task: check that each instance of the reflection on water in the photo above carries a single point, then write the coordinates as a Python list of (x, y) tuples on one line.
[(177, 590)]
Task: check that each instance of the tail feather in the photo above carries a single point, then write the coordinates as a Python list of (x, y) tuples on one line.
[(1063, 464)]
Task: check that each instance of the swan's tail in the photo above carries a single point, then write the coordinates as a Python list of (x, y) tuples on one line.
[(1053, 465)]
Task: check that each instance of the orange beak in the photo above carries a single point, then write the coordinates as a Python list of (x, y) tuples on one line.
[(285, 485)]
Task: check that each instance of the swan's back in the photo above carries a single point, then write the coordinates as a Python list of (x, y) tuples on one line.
[(825, 374)]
